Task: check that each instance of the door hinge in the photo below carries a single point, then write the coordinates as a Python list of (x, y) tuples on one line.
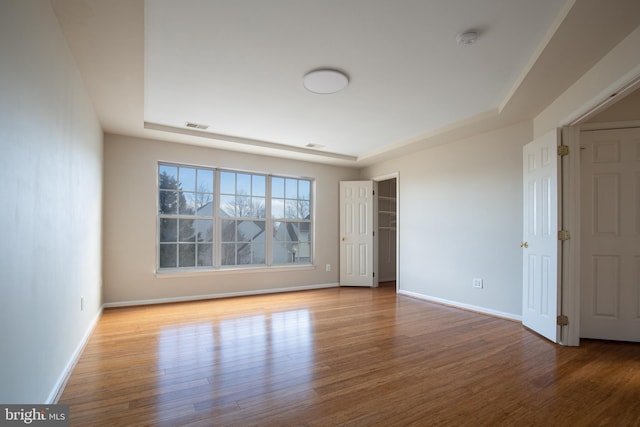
[(563, 150), (374, 234), (564, 235), (374, 274), (562, 320)]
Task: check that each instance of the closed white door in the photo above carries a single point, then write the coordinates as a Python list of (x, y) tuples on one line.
[(610, 239), (356, 233), (540, 236)]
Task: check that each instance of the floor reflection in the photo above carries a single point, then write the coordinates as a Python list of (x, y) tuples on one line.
[(235, 359)]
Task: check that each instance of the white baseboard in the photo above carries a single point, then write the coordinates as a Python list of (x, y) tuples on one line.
[(215, 296), (463, 306), (58, 388)]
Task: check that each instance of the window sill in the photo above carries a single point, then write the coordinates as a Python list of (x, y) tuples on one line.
[(169, 274)]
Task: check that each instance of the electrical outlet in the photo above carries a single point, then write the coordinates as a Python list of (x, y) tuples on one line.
[(477, 283), (328, 267)]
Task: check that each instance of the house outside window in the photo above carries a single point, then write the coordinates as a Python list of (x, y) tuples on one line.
[(215, 219), (290, 211)]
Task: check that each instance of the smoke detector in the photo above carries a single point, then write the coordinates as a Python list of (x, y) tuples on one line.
[(467, 38)]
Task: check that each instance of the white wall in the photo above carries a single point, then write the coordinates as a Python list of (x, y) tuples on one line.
[(51, 175), (130, 222), (460, 217)]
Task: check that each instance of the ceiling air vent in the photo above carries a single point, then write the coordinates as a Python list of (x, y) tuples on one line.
[(192, 125), (316, 146)]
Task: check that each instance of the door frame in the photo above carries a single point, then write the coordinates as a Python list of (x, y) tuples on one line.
[(570, 201), (569, 262), (376, 180), (571, 254)]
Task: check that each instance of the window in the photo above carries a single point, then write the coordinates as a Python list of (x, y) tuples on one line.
[(290, 203), (211, 218), (243, 218)]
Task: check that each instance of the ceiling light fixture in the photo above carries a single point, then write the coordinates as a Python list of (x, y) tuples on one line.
[(325, 81), (467, 38)]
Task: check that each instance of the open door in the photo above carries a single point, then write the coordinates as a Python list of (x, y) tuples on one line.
[(356, 233), (540, 244), (610, 241)]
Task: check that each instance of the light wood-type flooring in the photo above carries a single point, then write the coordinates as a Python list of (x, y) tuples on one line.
[(342, 356)]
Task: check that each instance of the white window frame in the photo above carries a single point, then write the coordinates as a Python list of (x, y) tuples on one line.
[(218, 218)]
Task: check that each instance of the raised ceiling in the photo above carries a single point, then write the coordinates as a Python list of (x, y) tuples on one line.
[(237, 66)]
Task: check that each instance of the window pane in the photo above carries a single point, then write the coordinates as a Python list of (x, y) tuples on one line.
[(304, 189), (205, 255), (228, 231), (204, 204), (187, 178), (277, 208), (291, 209), (186, 255), (258, 255), (228, 254), (277, 187), (168, 255), (304, 234), (187, 203), (291, 188), (303, 209), (289, 253), (279, 253), (291, 243), (260, 235), (168, 202), (245, 231), (186, 231), (243, 206), (243, 184), (227, 183), (204, 230), (205, 181), (228, 206), (304, 253), (168, 177), (168, 230), (279, 232), (258, 207), (250, 230), (259, 185), (292, 234), (244, 253)]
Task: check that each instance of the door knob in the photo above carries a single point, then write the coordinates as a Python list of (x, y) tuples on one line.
[(524, 244), (344, 238)]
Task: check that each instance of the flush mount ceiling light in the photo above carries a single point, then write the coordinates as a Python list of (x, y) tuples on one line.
[(467, 38), (325, 81)]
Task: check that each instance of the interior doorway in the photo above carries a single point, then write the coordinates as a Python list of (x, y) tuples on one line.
[(386, 242), (595, 281)]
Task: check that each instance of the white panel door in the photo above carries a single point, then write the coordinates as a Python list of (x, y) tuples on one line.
[(540, 236), (610, 239), (356, 233)]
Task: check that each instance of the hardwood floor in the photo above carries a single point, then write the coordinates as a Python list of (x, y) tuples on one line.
[(342, 356)]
